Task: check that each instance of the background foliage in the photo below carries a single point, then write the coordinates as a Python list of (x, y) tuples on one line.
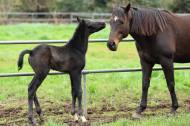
[(89, 5)]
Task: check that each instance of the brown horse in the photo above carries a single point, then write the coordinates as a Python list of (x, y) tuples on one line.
[(69, 58), (161, 38)]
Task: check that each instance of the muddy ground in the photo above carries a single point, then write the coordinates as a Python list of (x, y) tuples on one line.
[(15, 112)]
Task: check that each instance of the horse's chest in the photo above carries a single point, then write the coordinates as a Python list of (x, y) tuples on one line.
[(147, 52)]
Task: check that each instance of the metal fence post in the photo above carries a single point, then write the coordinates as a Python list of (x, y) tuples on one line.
[(84, 94), (32, 16), (71, 17)]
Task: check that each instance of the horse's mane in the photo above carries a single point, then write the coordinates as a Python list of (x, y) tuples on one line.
[(149, 21)]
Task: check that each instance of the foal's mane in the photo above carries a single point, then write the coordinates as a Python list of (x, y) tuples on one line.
[(80, 38), (149, 21)]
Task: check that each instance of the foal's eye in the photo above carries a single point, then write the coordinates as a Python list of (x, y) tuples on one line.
[(90, 27)]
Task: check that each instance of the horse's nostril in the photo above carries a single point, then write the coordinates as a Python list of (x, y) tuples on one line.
[(112, 46)]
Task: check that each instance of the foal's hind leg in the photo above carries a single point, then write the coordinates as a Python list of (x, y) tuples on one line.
[(167, 65), (38, 108), (37, 80)]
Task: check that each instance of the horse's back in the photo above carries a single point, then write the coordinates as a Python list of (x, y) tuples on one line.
[(182, 38), (184, 16)]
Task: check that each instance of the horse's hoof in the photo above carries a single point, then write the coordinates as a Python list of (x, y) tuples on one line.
[(76, 118), (83, 119), (136, 116)]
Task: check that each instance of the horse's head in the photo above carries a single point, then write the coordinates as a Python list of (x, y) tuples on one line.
[(120, 26), (92, 26)]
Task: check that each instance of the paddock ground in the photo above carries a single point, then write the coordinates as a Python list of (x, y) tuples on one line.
[(112, 98)]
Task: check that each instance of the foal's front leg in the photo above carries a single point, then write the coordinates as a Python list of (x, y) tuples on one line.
[(146, 75), (76, 93)]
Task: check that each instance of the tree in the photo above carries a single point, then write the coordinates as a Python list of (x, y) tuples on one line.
[(180, 6), (36, 5), (69, 5), (86, 5)]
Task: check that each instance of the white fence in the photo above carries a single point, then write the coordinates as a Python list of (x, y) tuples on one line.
[(50, 17)]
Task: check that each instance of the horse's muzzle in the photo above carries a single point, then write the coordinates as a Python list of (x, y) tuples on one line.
[(112, 46)]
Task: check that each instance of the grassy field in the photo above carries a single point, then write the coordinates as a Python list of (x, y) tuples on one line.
[(111, 97)]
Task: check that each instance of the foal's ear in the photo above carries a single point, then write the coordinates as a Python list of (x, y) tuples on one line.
[(83, 22), (78, 19), (127, 8)]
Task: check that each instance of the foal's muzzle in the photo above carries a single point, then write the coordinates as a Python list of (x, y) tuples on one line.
[(112, 46)]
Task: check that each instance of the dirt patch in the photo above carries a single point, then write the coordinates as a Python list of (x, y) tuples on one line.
[(60, 112)]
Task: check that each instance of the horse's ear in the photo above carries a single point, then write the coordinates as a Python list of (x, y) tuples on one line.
[(127, 8), (78, 19)]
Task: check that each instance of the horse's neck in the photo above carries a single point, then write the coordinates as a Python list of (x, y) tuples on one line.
[(79, 40), (139, 38)]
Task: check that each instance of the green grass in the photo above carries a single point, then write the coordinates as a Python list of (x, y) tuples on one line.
[(180, 120), (115, 89)]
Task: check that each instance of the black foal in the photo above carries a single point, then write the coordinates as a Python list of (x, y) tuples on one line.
[(69, 58)]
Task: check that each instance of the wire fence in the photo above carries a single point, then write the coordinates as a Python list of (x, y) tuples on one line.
[(84, 72)]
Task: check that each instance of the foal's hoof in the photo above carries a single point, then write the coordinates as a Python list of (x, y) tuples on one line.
[(41, 118), (76, 118), (136, 116), (83, 119)]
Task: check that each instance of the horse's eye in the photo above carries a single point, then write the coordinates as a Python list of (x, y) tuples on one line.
[(110, 22), (120, 32), (120, 22)]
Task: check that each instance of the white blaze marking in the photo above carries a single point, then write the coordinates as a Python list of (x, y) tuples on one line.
[(115, 18)]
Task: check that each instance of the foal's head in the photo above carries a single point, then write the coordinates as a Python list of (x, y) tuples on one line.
[(91, 26), (120, 25)]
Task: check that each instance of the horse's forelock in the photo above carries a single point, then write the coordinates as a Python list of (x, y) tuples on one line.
[(119, 12)]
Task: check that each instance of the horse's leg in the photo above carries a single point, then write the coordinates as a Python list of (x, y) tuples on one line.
[(167, 65), (37, 80), (77, 93), (146, 75), (74, 95), (79, 96), (38, 108), (30, 102)]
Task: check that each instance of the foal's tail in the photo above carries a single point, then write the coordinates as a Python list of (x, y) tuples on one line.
[(20, 59)]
